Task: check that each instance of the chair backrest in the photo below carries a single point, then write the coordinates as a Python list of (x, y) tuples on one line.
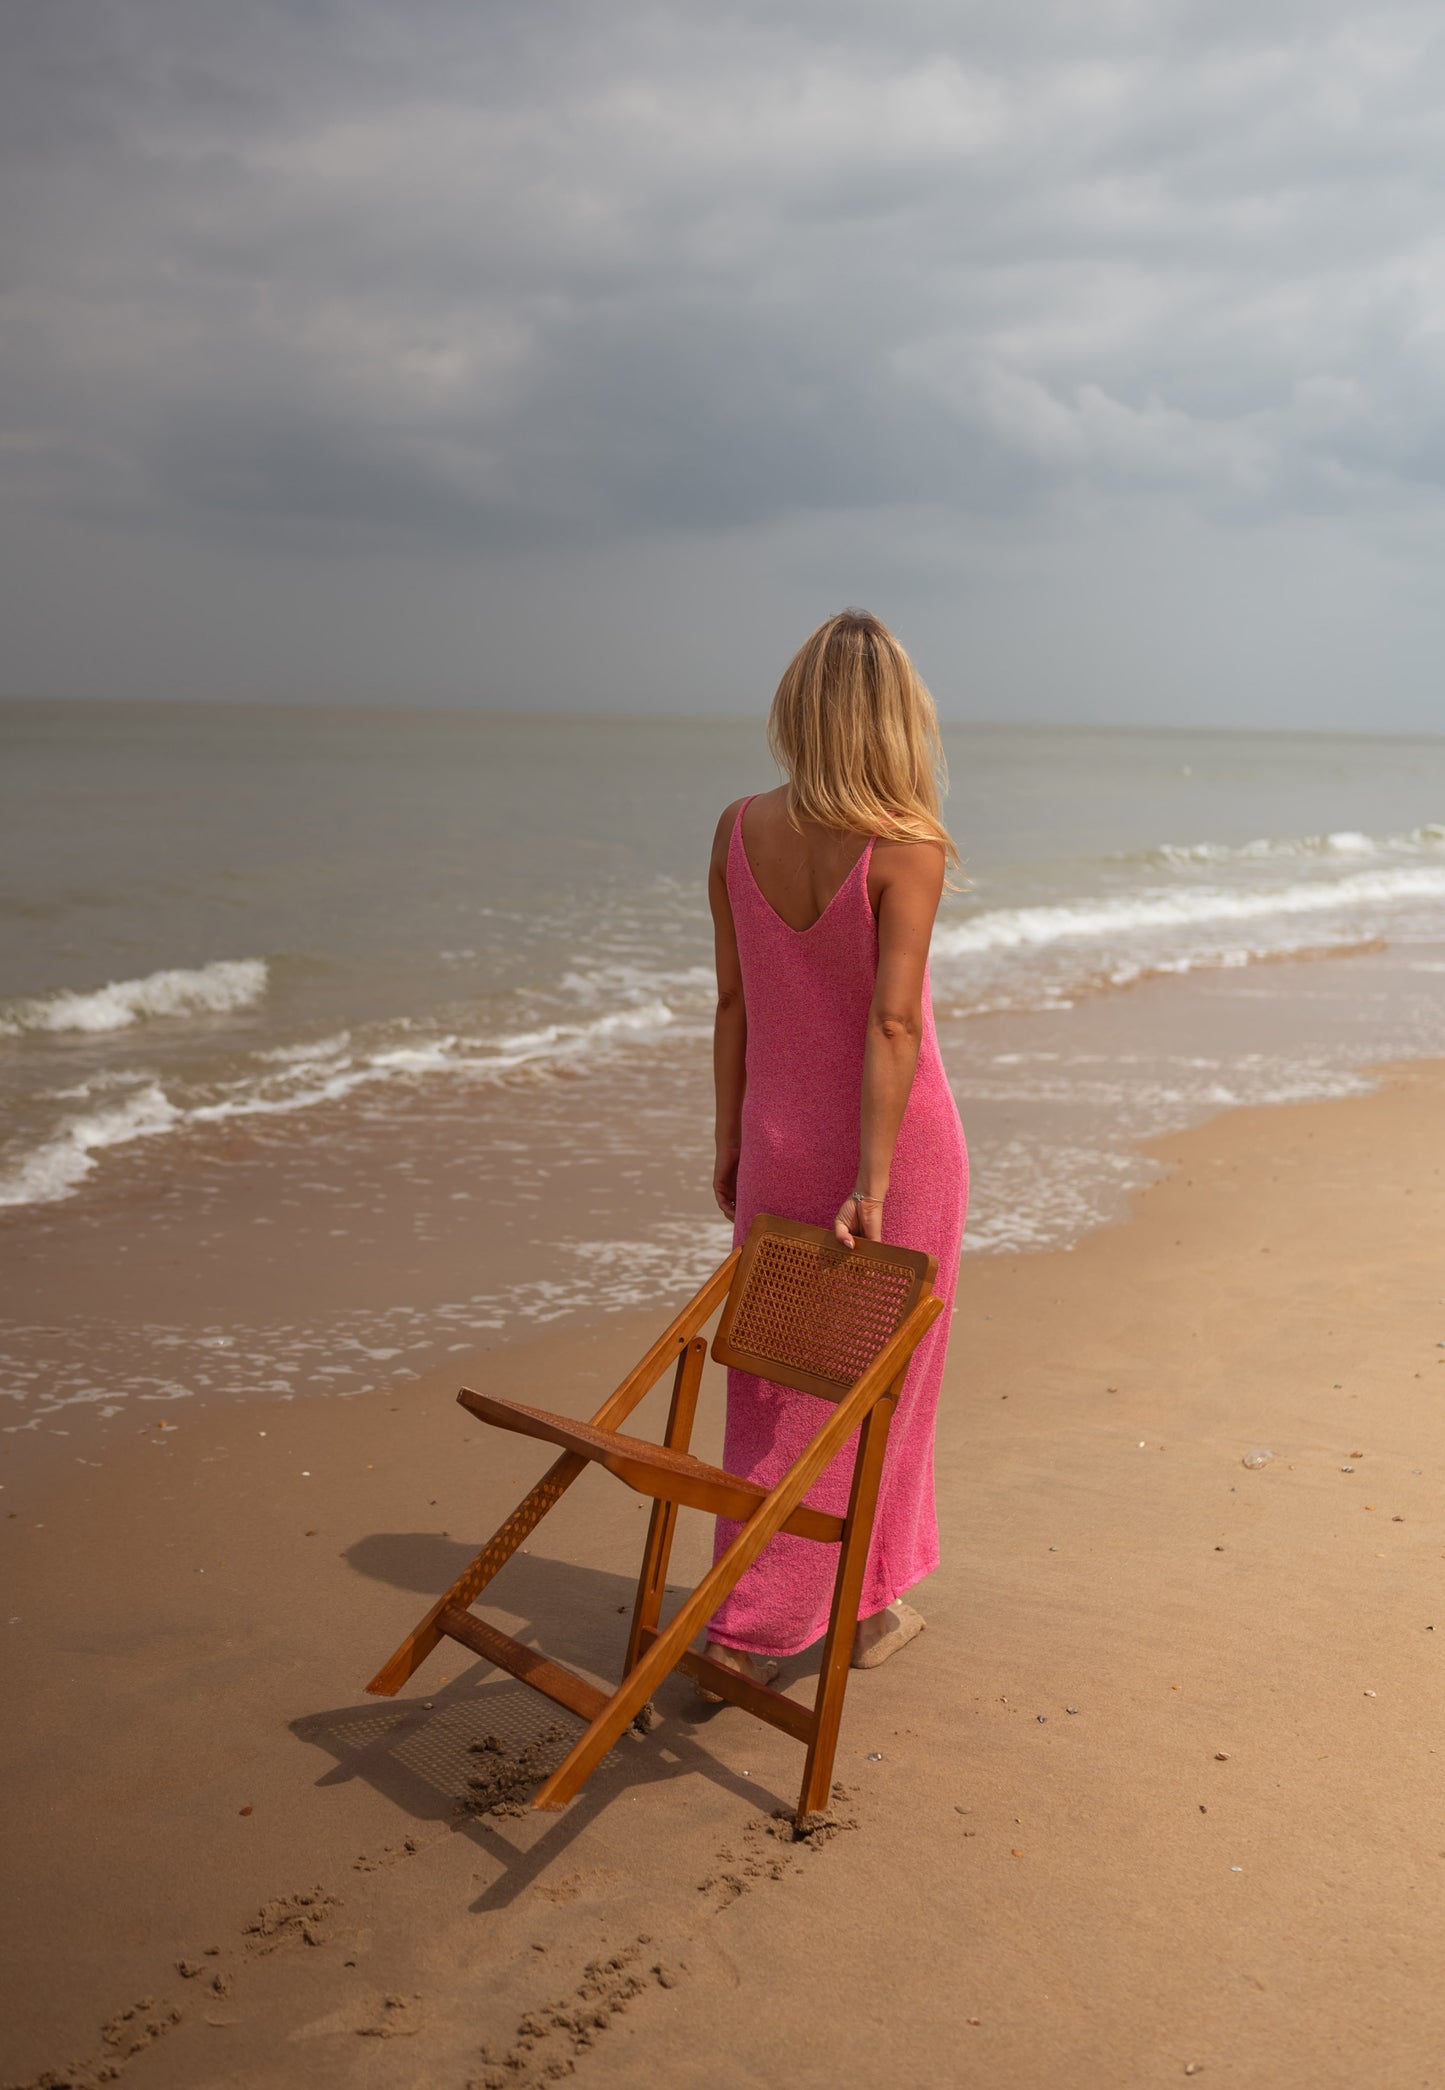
[(807, 1312)]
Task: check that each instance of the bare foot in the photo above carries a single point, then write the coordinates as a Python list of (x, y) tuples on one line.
[(885, 1632), (758, 1669)]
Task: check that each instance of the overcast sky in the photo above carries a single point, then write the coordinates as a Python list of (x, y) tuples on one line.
[(549, 355)]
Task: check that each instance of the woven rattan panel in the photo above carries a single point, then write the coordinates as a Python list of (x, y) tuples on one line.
[(815, 1308)]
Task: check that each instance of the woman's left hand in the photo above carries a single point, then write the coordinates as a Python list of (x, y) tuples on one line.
[(725, 1182), (859, 1217)]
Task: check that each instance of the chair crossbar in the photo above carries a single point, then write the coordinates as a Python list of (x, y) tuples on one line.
[(525, 1663), (759, 1699)]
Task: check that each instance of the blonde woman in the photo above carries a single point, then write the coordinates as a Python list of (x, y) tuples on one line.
[(832, 1104)]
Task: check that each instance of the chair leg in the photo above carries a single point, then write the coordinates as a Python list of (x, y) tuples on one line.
[(843, 1621), (652, 1582), (478, 1573), (553, 1485)]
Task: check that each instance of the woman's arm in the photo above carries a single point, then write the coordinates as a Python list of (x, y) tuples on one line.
[(730, 1025), (911, 885)]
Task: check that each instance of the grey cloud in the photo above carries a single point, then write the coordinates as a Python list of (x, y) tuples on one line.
[(507, 278)]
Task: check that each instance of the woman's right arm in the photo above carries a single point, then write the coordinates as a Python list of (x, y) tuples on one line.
[(730, 1025), (912, 884)]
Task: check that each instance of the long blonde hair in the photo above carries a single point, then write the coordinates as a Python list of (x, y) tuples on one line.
[(854, 730)]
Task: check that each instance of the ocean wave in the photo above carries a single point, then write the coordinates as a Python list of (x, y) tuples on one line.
[(1015, 928), (210, 990), (307, 1049), (1343, 843), (285, 1079), (67, 1157), (590, 982), (332, 1069)]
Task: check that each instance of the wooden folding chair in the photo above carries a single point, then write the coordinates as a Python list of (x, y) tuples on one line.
[(800, 1310)]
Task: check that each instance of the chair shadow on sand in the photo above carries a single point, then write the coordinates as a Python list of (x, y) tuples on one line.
[(421, 1755)]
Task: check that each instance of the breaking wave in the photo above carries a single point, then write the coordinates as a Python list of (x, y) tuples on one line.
[(1345, 843), (302, 1076), (54, 1168), (1014, 928), (210, 990), (118, 1107)]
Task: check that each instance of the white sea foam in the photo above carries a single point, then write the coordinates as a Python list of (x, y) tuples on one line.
[(210, 990), (1014, 928), (1345, 842), (590, 982), (310, 1049), (54, 1168), (332, 1068), (570, 1038), (296, 1078)]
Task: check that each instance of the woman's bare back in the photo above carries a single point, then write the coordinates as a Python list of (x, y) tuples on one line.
[(798, 872)]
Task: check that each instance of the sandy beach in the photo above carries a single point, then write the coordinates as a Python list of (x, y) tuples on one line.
[(1156, 1795)]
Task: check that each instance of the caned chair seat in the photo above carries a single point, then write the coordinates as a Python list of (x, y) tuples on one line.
[(649, 1469), (799, 1309)]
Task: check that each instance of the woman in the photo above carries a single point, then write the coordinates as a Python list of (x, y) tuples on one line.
[(832, 1104)]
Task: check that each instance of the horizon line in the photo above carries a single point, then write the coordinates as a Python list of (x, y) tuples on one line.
[(562, 716)]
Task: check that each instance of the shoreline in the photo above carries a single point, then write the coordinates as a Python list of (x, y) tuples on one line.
[(230, 1271), (1255, 1689)]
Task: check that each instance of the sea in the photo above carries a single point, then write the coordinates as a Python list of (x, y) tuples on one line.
[(336, 1041)]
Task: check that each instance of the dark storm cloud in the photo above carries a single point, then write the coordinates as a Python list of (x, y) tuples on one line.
[(563, 354), (535, 274)]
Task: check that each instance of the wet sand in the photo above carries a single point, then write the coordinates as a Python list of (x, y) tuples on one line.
[(227, 1866)]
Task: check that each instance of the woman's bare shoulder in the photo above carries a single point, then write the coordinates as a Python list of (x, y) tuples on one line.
[(723, 833), (923, 860)]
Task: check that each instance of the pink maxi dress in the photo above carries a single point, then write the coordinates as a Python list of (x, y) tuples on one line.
[(807, 993)]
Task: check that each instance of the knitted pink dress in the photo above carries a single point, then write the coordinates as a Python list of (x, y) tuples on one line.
[(807, 993)]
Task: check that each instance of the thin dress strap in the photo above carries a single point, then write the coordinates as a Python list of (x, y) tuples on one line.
[(735, 844)]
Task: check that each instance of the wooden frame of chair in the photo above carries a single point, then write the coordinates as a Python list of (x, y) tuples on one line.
[(673, 1478)]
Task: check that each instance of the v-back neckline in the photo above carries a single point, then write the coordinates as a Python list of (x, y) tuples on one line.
[(863, 856)]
